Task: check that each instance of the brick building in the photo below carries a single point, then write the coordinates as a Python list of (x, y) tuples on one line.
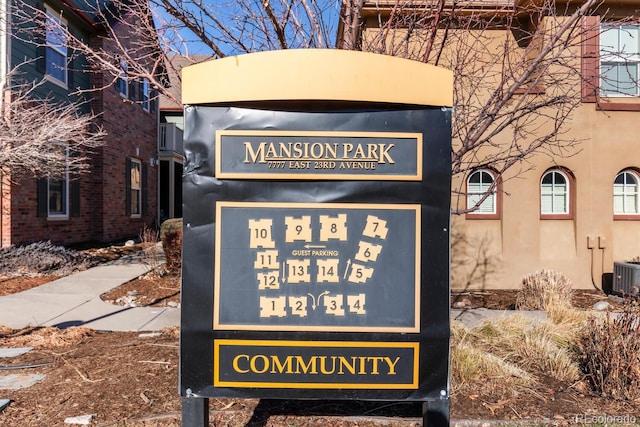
[(117, 198)]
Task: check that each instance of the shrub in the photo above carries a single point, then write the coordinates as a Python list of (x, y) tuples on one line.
[(610, 353), (542, 289), (171, 235), (169, 225), (41, 258)]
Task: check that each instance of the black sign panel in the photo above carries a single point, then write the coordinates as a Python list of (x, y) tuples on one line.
[(245, 154), (324, 364), (304, 267), (294, 270)]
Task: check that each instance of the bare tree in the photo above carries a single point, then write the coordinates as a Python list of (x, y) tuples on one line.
[(137, 30), (235, 27), (516, 65), (516, 71), (43, 139)]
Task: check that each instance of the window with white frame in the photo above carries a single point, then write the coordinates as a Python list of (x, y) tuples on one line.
[(56, 47), (625, 193), (145, 93), (479, 184), (619, 59), (58, 190), (554, 193), (135, 177), (122, 84)]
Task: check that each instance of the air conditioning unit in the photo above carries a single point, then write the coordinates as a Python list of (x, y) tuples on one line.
[(626, 275)]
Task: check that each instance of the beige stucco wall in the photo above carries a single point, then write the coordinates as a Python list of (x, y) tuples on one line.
[(496, 253), (524, 243)]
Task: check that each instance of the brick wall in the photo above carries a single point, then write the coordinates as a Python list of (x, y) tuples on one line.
[(25, 226), (131, 132)]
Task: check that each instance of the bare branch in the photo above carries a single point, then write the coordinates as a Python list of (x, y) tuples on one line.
[(43, 139), (277, 26), (517, 71)]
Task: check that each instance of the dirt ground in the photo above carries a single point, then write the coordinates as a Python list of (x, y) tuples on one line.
[(131, 379)]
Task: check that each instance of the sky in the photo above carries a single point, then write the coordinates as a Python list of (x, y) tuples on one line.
[(247, 21)]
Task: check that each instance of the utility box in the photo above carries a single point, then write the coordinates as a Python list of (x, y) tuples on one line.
[(626, 275), (316, 229)]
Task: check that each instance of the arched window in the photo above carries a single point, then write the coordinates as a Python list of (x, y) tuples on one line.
[(625, 193), (555, 192), (479, 184)]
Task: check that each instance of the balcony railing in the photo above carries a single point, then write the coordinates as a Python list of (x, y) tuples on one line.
[(170, 138)]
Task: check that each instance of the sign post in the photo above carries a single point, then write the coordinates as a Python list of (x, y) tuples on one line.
[(316, 239)]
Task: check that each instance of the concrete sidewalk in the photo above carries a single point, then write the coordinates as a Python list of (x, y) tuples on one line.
[(75, 301), (472, 318)]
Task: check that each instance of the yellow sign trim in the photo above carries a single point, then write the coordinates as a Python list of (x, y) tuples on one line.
[(320, 328), (372, 176), (303, 75)]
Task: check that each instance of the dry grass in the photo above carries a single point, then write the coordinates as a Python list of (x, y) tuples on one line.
[(48, 338), (541, 288), (152, 255), (514, 352), (536, 346), (562, 313), (172, 331), (518, 353), (470, 364)]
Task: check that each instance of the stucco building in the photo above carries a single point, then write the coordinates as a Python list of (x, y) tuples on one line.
[(575, 209)]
